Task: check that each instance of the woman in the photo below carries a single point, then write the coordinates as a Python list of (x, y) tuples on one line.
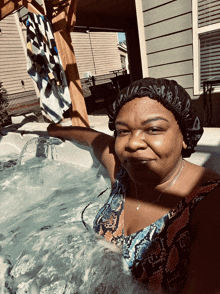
[(162, 210)]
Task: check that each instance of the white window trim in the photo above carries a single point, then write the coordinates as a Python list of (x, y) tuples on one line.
[(141, 33), (196, 49)]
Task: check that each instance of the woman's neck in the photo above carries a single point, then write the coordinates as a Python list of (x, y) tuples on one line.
[(153, 192)]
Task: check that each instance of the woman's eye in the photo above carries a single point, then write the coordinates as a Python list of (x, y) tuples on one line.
[(154, 130), (122, 132)]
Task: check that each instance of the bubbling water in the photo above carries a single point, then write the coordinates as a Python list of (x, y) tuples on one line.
[(45, 248)]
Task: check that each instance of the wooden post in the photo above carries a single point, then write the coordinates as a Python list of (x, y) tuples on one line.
[(62, 23)]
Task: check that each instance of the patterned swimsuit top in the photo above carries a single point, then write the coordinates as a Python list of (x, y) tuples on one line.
[(157, 255)]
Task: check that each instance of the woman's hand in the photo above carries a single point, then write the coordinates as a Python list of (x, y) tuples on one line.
[(53, 127)]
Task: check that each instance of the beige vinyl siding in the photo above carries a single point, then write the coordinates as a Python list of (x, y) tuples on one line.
[(170, 26), (84, 58), (147, 5), (183, 38), (168, 11), (13, 65), (184, 80), (169, 43), (171, 70), (170, 56), (208, 12), (96, 52)]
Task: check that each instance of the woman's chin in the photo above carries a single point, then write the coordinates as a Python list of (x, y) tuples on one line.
[(143, 176)]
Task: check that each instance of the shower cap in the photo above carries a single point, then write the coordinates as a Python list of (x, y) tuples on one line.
[(173, 97)]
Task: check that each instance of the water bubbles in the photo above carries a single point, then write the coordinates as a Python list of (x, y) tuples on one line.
[(40, 147)]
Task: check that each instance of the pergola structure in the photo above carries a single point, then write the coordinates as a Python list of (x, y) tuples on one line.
[(62, 14), (114, 15)]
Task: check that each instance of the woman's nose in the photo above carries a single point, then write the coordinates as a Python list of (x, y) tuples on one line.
[(136, 142)]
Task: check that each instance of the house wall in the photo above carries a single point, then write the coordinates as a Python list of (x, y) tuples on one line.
[(20, 88), (13, 64), (169, 41), (96, 52)]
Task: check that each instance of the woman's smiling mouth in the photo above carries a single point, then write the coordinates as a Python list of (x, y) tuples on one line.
[(138, 161)]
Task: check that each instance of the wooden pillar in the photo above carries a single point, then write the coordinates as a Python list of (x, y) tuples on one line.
[(62, 22)]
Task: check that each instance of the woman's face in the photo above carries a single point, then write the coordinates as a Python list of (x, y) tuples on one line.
[(149, 142)]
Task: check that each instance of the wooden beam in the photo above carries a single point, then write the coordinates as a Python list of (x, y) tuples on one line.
[(71, 15), (33, 6), (63, 18), (7, 7)]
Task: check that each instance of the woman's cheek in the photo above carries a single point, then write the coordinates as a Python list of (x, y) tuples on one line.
[(160, 146), (159, 143), (118, 146)]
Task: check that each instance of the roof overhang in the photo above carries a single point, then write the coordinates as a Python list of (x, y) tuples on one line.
[(117, 15), (95, 15)]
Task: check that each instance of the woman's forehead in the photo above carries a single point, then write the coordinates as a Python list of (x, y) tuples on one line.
[(144, 108)]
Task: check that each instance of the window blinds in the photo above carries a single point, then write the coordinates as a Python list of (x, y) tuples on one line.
[(208, 12), (209, 55)]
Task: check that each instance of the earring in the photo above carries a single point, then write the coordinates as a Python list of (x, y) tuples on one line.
[(184, 145)]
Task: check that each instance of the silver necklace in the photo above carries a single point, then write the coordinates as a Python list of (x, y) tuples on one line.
[(171, 184)]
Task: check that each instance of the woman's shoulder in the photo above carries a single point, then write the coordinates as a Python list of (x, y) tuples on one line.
[(201, 174), (210, 175), (198, 184)]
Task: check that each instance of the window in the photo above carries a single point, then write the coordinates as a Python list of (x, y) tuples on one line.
[(206, 42), (123, 65)]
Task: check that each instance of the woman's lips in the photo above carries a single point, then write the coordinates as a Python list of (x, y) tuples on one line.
[(138, 161)]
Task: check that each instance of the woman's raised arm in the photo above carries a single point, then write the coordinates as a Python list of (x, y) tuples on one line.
[(101, 144)]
